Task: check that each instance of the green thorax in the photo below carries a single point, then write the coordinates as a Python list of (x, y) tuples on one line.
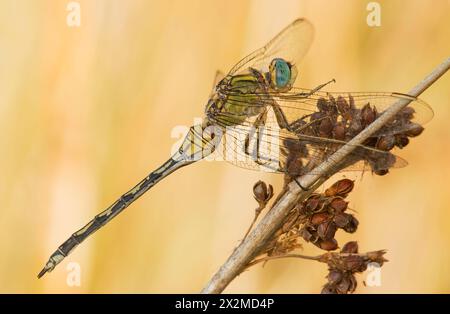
[(237, 98)]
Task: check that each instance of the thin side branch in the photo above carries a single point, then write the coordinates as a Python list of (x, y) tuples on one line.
[(251, 245)]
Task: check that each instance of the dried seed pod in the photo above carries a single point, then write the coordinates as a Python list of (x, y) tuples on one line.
[(343, 286), (354, 263), (322, 104), (355, 126), (307, 235), (319, 218), (340, 188), (367, 115), (380, 163), (334, 277), (353, 284), (414, 130), (326, 230), (343, 108), (377, 257), (262, 193), (332, 108), (338, 204), (381, 172), (325, 128), (386, 143), (351, 102), (339, 131), (341, 220), (350, 247), (328, 289), (352, 225), (406, 114), (301, 208), (328, 245), (317, 116), (313, 203), (401, 141)]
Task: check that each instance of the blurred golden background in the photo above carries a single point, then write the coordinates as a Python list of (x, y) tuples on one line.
[(87, 112)]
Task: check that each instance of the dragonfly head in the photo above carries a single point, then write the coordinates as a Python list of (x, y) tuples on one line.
[(281, 75)]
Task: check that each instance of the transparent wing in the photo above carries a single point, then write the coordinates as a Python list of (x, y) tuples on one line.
[(421, 111), (299, 102), (318, 125), (274, 150), (291, 44)]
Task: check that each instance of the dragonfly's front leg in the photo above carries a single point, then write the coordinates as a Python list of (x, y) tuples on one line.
[(315, 90), (281, 117), (260, 121)]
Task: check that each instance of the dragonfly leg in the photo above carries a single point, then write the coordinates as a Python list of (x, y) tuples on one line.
[(260, 120), (281, 117), (315, 90)]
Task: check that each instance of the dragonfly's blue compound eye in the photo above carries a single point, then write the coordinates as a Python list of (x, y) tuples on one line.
[(280, 73)]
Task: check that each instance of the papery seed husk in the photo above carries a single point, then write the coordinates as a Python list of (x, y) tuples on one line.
[(322, 104), (339, 131), (260, 191), (353, 284), (367, 114), (328, 245), (377, 257), (406, 114), (338, 204), (352, 225), (340, 188), (386, 143), (312, 203), (325, 127), (319, 218), (354, 263), (328, 289), (269, 193), (341, 220), (342, 105), (343, 285), (306, 235), (350, 247), (334, 277), (402, 141), (414, 130), (326, 230)]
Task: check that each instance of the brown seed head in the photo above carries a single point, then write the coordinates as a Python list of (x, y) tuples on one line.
[(328, 245), (262, 193), (414, 130), (326, 230), (350, 247), (338, 204), (340, 188), (319, 218)]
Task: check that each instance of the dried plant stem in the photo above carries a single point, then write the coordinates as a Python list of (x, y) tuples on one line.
[(257, 213), (252, 244)]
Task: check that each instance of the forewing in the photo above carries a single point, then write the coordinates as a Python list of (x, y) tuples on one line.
[(291, 44)]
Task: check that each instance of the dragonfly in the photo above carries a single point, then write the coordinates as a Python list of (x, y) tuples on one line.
[(258, 118)]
